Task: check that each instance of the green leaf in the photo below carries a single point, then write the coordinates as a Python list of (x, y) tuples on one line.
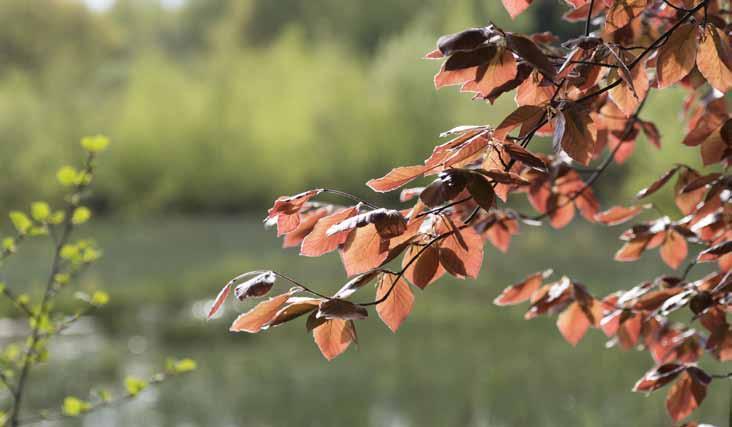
[(9, 244), (182, 366), (69, 251), (73, 406), (67, 176), (40, 211), (23, 299), (134, 385), (21, 221), (95, 144), (99, 298), (81, 215), (57, 217)]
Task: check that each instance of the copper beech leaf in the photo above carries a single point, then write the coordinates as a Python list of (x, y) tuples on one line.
[(219, 301), (519, 153), (618, 214), (622, 12), (461, 252), (673, 249), (257, 286), (255, 319), (687, 393), (676, 58), (363, 250), (398, 304), (388, 223), (713, 253), (525, 48), (286, 211), (657, 184), (526, 116), (633, 89), (516, 7), (306, 226), (294, 307), (714, 58), (500, 70), (575, 133), (396, 178), (318, 242), (465, 40), (482, 191), (573, 323), (521, 292), (334, 336), (337, 308), (658, 377), (422, 265)]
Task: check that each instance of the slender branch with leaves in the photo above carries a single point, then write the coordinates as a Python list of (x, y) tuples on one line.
[(70, 258), (588, 95)]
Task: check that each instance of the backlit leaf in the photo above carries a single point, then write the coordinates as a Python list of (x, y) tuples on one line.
[(397, 306), (334, 336), (676, 58)]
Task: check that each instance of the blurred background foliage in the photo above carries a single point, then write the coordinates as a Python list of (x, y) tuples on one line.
[(216, 107), (220, 105)]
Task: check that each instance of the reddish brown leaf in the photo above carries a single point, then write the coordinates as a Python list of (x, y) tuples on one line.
[(524, 156), (715, 58), (318, 242), (657, 184), (713, 253), (687, 201), (294, 308), (388, 222), (286, 211), (461, 253), (618, 215), (673, 249), (466, 40), (687, 393), (521, 292), (573, 323), (397, 306), (307, 223), (676, 58), (257, 286), (526, 116), (576, 134), (337, 308), (219, 301), (482, 191), (363, 250), (622, 12), (396, 178), (632, 90), (516, 7), (426, 268), (500, 70), (651, 132), (560, 209), (658, 377), (334, 336), (530, 52), (255, 319), (501, 232), (633, 249)]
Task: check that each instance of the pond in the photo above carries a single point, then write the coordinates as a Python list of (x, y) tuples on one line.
[(457, 360)]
